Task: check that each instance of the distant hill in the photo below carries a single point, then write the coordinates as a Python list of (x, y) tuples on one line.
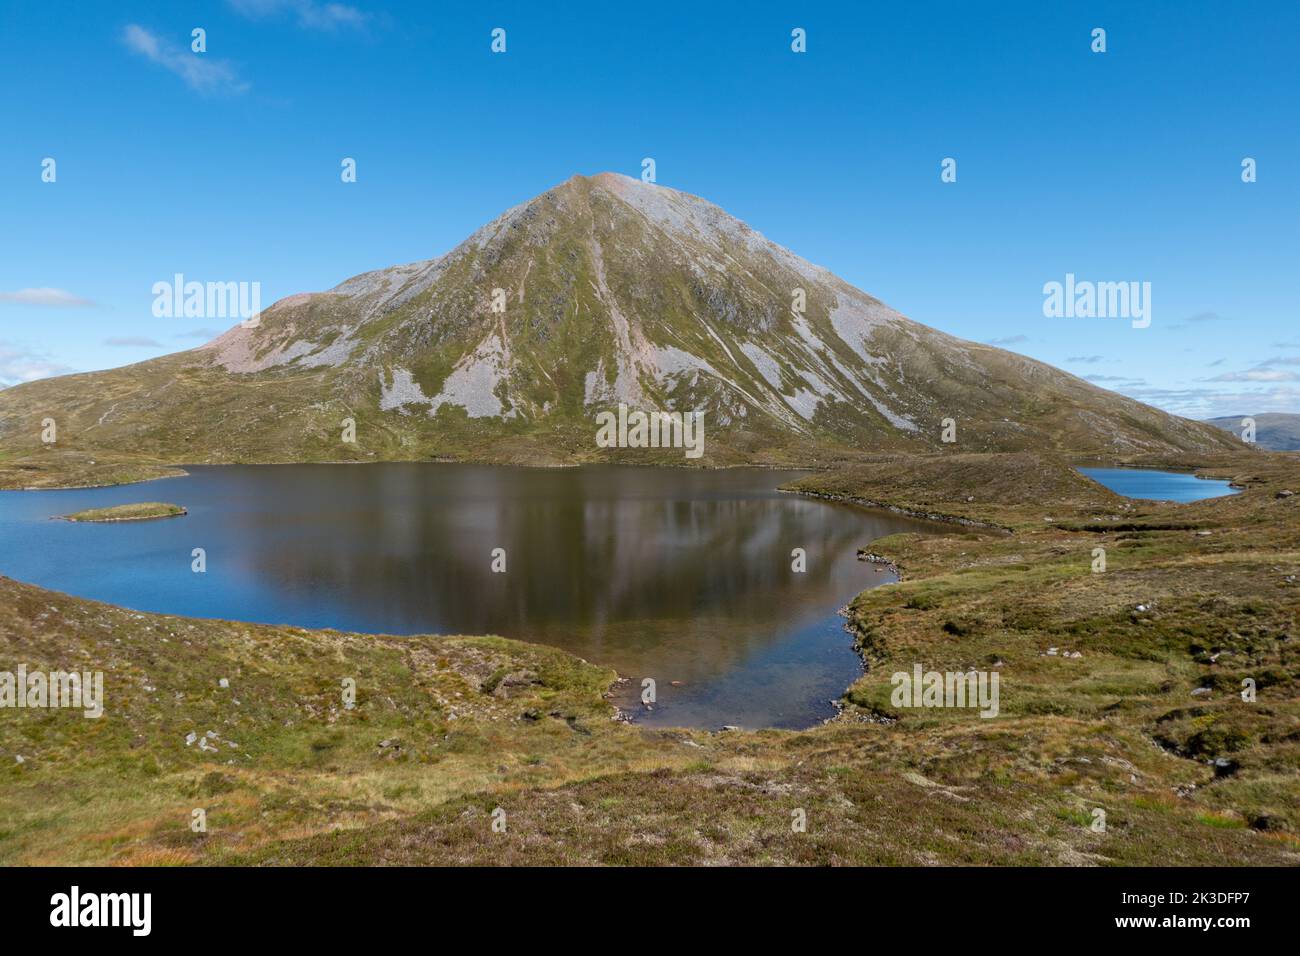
[(1273, 430), (600, 291)]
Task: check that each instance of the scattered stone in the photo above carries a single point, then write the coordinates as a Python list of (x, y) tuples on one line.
[(223, 682), (190, 738), (20, 758), (1051, 652), (1284, 494), (1201, 692)]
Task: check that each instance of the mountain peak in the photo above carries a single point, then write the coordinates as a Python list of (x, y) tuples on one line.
[(602, 290)]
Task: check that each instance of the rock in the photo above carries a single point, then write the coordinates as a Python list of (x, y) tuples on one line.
[(1051, 652), (1204, 534), (1284, 494), (190, 738), (730, 727), (223, 682), (1201, 692), (19, 758)]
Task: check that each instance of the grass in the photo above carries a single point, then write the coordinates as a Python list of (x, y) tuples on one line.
[(50, 467), (1148, 724), (139, 511)]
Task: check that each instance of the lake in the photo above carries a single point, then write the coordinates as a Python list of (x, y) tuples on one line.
[(1158, 485), (679, 575)]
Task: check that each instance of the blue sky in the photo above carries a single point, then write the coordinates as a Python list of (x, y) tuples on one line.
[(1115, 166)]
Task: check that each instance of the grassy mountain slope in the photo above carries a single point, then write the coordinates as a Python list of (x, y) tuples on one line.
[(613, 291)]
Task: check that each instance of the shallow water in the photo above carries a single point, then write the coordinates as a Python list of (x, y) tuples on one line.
[(1158, 485), (674, 574)]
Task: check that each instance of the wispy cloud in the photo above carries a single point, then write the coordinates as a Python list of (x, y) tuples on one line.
[(1009, 340), (1090, 359), (18, 365), (1211, 402), (309, 14), (199, 71), (132, 342), (198, 334), (55, 298), (1258, 375), (1198, 319)]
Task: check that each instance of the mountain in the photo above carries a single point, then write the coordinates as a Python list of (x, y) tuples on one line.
[(614, 291), (1275, 431)]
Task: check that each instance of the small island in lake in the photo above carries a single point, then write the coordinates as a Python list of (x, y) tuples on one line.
[(139, 511)]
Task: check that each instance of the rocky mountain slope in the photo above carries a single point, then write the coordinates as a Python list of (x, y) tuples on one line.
[(602, 290)]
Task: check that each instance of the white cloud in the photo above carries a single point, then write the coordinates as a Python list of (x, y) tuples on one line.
[(198, 70), (56, 298), (309, 13), (1215, 403), (1258, 375), (18, 365), (132, 341)]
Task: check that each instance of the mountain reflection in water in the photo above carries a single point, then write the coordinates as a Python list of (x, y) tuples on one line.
[(677, 574)]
